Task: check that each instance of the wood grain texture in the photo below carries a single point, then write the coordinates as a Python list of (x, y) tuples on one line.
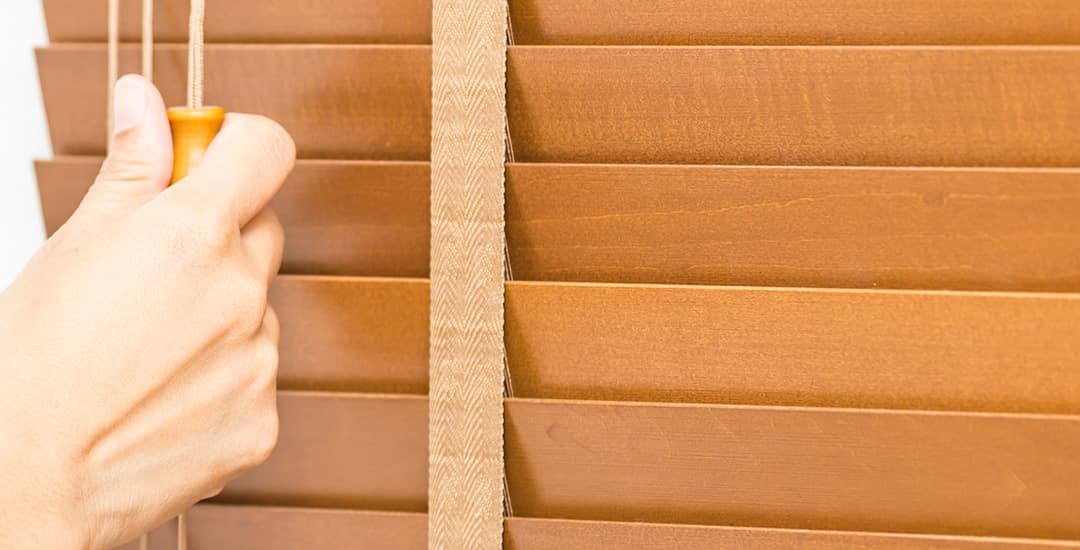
[(896, 106), (343, 451), (294, 21), (783, 22), (348, 334), (354, 102), (875, 349), (360, 218), (536, 534), (782, 226), (218, 527), (838, 469)]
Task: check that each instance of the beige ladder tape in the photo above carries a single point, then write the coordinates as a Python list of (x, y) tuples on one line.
[(467, 253)]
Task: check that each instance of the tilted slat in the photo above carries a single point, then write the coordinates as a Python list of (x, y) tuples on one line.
[(349, 334), (337, 101), (304, 21), (712, 22), (842, 469), (213, 527), (341, 217), (847, 227), (537, 534), (925, 106), (989, 229), (876, 349), (343, 450), (222, 527)]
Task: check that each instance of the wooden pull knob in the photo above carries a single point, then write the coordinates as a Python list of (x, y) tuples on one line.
[(192, 132)]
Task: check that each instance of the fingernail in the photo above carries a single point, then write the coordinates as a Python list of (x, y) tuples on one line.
[(129, 102)]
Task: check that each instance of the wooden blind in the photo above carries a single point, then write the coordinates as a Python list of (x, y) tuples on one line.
[(786, 274)]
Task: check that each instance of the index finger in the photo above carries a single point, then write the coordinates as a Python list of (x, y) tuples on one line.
[(243, 168)]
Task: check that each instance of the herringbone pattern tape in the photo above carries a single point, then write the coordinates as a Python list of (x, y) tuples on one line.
[(467, 248)]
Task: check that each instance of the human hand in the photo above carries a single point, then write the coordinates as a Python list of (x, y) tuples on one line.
[(139, 354)]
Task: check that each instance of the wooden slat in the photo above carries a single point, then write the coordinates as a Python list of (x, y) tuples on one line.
[(536, 534), (841, 227), (343, 450), (878, 349), (783, 22), (218, 527), (304, 21), (841, 469), (362, 102), (341, 217), (933, 106), (214, 527), (350, 334)]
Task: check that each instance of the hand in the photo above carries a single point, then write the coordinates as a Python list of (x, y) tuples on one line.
[(138, 356)]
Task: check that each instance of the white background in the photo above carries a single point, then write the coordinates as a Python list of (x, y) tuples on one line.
[(23, 134)]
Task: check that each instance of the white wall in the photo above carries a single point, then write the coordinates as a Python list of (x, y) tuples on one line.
[(23, 135)]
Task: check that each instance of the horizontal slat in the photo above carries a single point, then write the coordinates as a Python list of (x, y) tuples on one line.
[(214, 527), (350, 334), (842, 469), (218, 527), (842, 227), (343, 450), (943, 106), (325, 21), (877, 349), (341, 217), (363, 102), (711, 22), (847, 227), (536, 534)]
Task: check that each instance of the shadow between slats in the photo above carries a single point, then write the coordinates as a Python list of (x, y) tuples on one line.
[(360, 218), (874, 106), (838, 469), (782, 22), (337, 101), (295, 21)]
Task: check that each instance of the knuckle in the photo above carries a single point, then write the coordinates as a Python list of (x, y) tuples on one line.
[(265, 361), (246, 299), (272, 136), (261, 441), (193, 235)]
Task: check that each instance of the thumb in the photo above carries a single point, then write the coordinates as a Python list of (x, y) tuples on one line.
[(140, 159)]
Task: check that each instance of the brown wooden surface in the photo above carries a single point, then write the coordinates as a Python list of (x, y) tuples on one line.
[(536, 534), (343, 450), (959, 106), (361, 102), (845, 227), (351, 334), (316, 21), (842, 469), (711, 22), (217, 527), (839, 227), (366, 218), (878, 349)]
